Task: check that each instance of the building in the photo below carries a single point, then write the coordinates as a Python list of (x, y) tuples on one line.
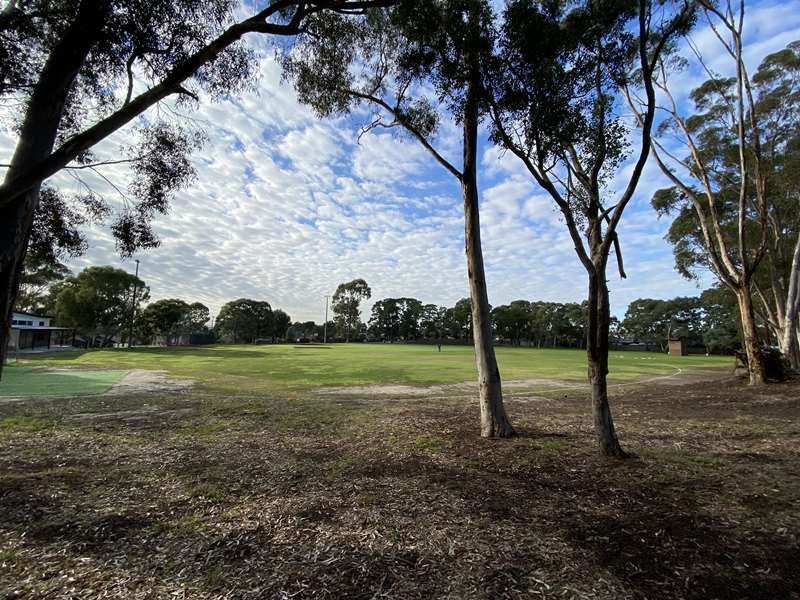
[(677, 347), (34, 332)]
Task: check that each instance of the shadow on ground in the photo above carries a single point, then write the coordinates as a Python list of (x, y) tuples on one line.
[(269, 498)]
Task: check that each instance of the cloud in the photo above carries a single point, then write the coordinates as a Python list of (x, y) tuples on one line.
[(286, 207)]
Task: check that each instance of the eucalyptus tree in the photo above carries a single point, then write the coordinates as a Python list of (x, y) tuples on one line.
[(347, 306), (245, 320), (162, 318), (98, 300), (432, 321), (79, 70), (734, 195), (281, 323), (555, 95), (391, 61)]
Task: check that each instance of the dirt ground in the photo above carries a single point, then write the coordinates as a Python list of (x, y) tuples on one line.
[(364, 495)]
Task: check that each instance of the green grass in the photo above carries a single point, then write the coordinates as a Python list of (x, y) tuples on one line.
[(26, 423), (32, 381), (285, 368)]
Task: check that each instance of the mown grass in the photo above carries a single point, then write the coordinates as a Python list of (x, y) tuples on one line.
[(259, 369), (21, 380)]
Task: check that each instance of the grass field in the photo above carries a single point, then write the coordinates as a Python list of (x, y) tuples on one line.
[(287, 367)]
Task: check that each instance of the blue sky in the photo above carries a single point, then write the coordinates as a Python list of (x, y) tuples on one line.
[(287, 206)]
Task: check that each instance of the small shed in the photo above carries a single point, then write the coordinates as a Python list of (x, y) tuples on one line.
[(677, 346)]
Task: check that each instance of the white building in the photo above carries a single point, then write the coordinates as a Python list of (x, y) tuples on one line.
[(34, 332)]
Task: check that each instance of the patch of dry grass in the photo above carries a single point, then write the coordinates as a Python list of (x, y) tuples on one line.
[(203, 496)]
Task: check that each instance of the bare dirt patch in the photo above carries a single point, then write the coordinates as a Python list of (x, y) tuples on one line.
[(140, 381)]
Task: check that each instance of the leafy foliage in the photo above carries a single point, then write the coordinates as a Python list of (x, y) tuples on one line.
[(97, 301), (172, 316), (134, 41), (777, 103), (245, 320), (346, 306)]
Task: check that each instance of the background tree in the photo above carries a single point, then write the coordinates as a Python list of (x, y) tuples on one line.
[(162, 318), (309, 330), (410, 313), (387, 61), (384, 321), (281, 322), (555, 91), (721, 328), (656, 321), (97, 301), (734, 196), (346, 306), (432, 321), (195, 319), (458, 320), (512, 321), (35, 284), (394, 318), (244, 320), (73, 66)]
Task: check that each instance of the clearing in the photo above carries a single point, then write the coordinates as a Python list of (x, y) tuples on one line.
[(252, 483)]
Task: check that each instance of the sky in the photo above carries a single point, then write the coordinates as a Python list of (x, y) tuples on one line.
[(287, 206)]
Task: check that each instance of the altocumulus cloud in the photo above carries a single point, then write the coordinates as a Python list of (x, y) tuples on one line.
[(286, 206)]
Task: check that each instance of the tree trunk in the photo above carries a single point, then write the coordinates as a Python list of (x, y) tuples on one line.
[(35, 142), (788, 340), (597, 356), (494, 421), (15, 228), (755, 362)]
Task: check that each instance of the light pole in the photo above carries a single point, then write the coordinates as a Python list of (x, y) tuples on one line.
[(325, 325), (133, 307)]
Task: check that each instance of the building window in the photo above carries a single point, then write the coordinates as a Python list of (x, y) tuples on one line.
[(41, 323), (14, 322)]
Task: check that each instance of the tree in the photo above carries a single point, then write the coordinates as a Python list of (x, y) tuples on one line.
[(734, 197), (394, 318), (656, 321), (281, 322), (245, 320), (55, 235), (73, 66), (554, 90), (458, 319), (35, 283), (512, 321), (195, 319), (386, 61), (384, 321), (432, 321), (410, 312), (721, 330), (97, 301), (163, 318), (346, 302)]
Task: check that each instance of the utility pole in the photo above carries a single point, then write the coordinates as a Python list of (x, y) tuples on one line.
[(133, 308), (325, 326)]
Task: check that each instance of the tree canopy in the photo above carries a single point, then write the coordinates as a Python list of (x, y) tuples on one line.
[(346, 306), (245, 320), (98, 300)]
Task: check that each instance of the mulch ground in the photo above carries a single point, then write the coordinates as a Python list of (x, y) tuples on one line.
[(196, 496)]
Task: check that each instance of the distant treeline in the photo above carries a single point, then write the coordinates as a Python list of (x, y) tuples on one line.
[(99, 302)]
